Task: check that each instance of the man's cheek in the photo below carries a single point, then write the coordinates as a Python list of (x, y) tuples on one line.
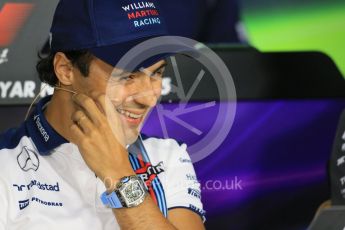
[(158, 91), (118, 94)]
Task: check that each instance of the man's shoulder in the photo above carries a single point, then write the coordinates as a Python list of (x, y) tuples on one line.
[(12, 137), (168, 150), (12, 141), (166, 143)]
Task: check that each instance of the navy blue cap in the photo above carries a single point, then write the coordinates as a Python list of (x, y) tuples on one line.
[(107, 28)]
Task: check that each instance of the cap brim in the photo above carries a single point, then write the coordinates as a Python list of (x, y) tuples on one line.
[(112, 54)]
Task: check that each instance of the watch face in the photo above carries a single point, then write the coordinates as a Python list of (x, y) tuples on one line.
[(132, 193)]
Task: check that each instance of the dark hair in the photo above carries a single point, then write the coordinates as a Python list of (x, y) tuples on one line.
[(45, 66)]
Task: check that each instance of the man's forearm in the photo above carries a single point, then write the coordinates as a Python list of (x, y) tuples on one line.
[(145, 216)]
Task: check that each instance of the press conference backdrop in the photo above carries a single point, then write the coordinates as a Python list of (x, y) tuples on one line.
[(270, 172)]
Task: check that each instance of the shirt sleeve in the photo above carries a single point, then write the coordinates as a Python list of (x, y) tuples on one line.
[(183, 187)]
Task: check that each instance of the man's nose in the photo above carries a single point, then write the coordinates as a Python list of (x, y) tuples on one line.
[(145, 93)]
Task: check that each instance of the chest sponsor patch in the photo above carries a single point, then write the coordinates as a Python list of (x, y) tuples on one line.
[(38, 185), (149, 172), (25, 203)]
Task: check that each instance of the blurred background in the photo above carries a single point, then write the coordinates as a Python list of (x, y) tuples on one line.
[(287, 60)]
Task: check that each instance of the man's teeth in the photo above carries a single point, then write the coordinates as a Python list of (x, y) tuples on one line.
[(128, 114)]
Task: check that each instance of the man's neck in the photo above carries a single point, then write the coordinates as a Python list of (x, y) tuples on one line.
[(58, 113)]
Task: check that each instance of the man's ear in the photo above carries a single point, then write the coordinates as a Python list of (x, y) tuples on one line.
[(63, 69)]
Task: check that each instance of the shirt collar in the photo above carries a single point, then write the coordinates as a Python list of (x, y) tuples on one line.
[(41, 132), (47, 139)]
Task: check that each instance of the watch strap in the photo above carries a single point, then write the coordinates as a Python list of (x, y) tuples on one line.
[(111, 200)]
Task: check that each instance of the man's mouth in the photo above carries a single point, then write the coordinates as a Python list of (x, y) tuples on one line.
[(130, 117)]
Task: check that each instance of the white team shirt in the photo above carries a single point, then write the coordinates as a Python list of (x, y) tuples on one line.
[(45, 183)]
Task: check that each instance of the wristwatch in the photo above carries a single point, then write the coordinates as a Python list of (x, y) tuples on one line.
[(130, 191)]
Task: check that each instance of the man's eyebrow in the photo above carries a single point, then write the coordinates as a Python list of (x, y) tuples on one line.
[(160, 67), (156, 70), (125, 73)]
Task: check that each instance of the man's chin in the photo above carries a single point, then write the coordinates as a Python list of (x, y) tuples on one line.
[(131, 136)]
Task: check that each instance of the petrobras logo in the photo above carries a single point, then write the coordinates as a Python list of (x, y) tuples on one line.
[(25, 203), (28, 160), (194, 192), (46, 203), (38, 185)]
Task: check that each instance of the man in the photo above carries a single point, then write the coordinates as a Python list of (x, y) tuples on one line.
[(79, 161)]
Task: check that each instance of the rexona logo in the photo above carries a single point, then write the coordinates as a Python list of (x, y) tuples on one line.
[(40, 127)]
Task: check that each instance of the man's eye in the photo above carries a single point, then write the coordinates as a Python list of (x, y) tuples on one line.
[(126, 78), (157, 74)]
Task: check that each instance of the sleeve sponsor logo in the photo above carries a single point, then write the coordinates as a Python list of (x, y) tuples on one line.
[(23, 204), (28, 160), (194, 192), (183, 160), (198, 210), (191, 177)]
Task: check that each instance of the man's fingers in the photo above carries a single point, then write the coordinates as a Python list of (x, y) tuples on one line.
[(89, 106), (99, 98), (77, 134), (82, 121), (108, 107)]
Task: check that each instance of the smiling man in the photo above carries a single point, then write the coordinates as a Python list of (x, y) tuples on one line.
[(79, 161)]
